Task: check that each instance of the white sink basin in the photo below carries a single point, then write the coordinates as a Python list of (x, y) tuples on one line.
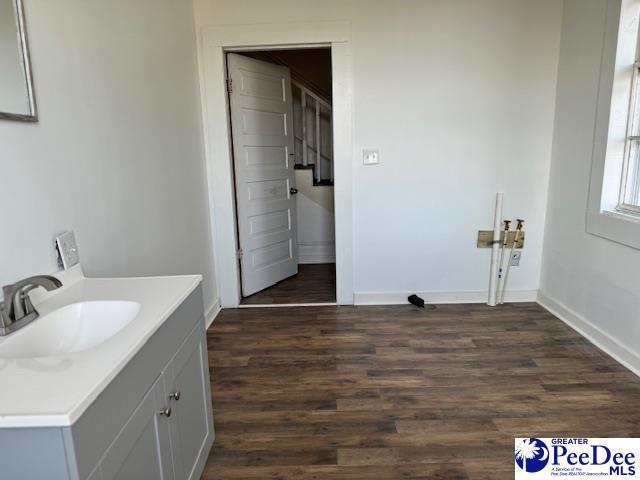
[(70, 329)]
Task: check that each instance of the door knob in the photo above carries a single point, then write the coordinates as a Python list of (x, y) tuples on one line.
[(175, 395), (166, 412), (293, 191)]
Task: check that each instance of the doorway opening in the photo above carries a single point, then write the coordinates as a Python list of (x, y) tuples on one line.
[(280, 106)]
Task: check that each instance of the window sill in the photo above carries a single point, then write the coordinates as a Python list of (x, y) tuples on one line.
[(622, 215), (618, 227)]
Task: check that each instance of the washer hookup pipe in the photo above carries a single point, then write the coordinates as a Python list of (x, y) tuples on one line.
[(503, 248), (519, 227), (495, 247)]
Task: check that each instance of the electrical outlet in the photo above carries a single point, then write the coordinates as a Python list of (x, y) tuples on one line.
[(370, 156), (67, 249), (515, 258)]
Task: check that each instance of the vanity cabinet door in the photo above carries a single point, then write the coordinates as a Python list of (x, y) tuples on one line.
[(187, 381), (96, 474), (142, 449)]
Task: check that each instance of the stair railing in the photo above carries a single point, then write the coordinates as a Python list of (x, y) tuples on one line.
[(309, 99)]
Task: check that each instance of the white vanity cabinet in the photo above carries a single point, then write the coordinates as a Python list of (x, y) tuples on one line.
[(152, 422)]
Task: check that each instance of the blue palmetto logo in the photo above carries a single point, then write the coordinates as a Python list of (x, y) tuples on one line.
[(532, 455)]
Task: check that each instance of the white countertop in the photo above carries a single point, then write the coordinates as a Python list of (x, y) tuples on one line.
[(55, 391)]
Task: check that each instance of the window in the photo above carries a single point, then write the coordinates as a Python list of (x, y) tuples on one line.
[(629, 201), (613, 209)]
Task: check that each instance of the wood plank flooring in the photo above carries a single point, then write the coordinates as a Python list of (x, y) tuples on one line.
[(362, 393), (314, 283)]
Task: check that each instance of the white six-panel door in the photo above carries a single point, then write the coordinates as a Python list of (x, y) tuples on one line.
[(262, 130)]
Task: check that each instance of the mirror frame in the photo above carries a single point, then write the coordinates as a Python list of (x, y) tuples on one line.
[(32, 116)]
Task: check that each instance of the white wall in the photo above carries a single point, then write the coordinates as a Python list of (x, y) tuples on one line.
[(315, 227), (459, 97), (592, 282), (117, 154)]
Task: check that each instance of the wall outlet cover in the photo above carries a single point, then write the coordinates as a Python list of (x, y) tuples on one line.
[(67, 249), (370, 156), (515, 258)]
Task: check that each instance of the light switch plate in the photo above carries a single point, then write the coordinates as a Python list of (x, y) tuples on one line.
[(67, 249), (370, 156)]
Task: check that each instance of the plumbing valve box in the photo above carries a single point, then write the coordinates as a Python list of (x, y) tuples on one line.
[(485, 239)]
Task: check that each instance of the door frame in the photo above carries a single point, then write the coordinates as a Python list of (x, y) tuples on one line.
[(214, 43)]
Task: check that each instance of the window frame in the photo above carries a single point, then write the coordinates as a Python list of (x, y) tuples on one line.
[(620, 37), (633, 136)]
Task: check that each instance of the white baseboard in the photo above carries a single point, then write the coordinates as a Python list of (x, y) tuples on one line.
[(211, 314), (316, 252), (476, 296), (601, 339)]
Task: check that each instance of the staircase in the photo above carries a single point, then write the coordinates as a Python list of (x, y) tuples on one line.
[(312, 119), (312, 127)]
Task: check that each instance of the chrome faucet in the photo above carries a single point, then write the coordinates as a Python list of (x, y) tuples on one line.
[(17, 310)]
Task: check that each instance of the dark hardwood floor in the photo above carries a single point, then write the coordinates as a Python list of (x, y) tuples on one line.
[(314, 283), (376, 393)]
